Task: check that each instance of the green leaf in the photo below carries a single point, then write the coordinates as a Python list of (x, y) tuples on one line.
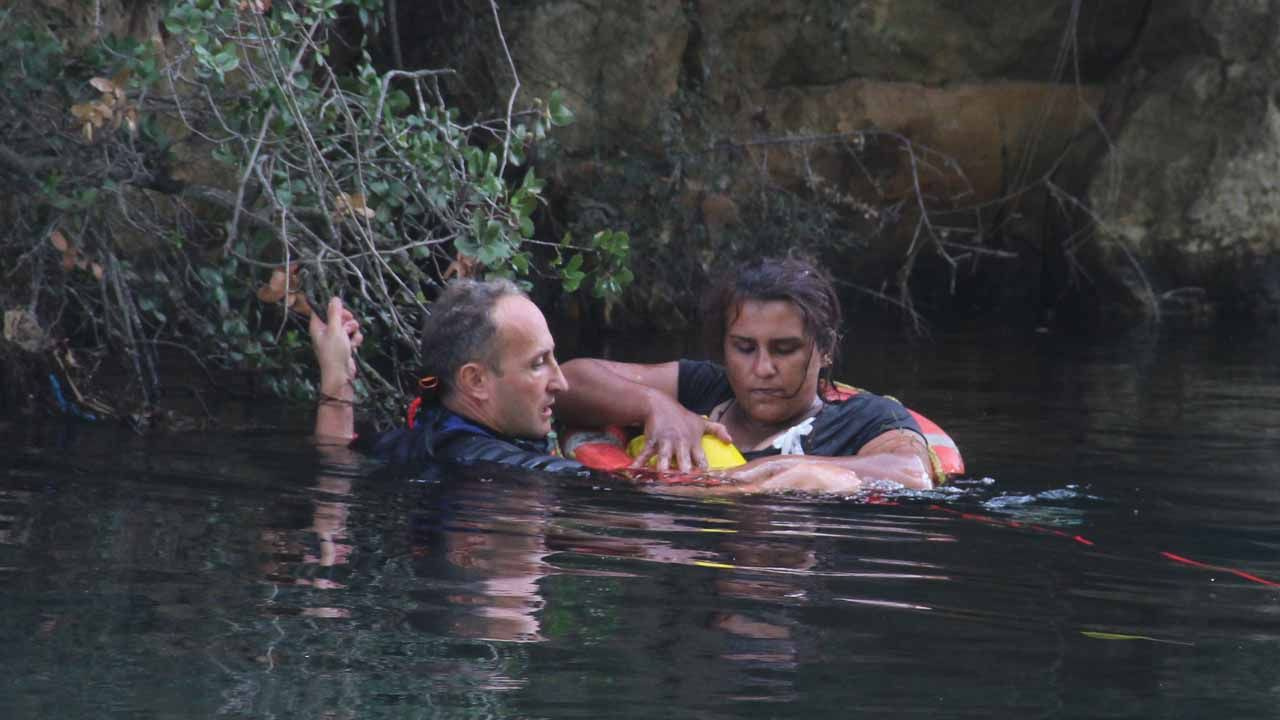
[(226, 60), (466, 245), (492, 232), (571, 281), (492, 186), (571, 275), (605, 287), (557, 111), (531, 183), (397, 102), (493, 254), (474, 159), (523, 202)]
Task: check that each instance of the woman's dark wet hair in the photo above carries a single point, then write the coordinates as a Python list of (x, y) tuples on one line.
[(460, 329), (794, 279)]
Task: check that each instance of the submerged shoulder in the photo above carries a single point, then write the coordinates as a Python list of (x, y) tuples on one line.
[(467, 449)]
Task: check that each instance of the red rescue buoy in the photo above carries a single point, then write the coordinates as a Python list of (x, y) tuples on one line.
[(605, 449)]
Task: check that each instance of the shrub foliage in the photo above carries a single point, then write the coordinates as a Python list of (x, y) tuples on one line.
[(203, 189)]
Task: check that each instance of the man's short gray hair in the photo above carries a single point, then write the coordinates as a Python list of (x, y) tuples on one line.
[(460, 328)]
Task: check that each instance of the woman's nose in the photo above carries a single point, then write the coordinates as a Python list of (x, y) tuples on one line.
[(764, 365)]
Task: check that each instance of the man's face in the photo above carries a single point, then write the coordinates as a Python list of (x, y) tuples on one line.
[(528, 376)]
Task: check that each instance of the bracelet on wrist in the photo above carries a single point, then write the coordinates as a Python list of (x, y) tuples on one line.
[(327, 399)]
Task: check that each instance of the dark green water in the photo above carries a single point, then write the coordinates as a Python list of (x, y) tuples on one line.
[(239, 575)]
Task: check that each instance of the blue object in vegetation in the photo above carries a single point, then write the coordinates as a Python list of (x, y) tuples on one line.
[(65, 405)]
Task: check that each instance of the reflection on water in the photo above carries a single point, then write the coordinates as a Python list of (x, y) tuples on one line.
[(483, 544), (1110, 557)]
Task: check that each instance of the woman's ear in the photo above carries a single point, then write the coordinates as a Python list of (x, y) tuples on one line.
[(829, 351)]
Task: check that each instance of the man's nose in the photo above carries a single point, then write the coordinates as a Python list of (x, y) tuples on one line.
[(558, 382)]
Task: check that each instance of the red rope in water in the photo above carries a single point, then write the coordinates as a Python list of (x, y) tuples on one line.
[(1085, 541), (1239, 573)]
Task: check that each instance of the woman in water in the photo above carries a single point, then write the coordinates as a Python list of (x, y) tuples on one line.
[(773, 328)]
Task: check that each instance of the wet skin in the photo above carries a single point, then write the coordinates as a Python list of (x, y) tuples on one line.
[(528, 378), (773, 370)]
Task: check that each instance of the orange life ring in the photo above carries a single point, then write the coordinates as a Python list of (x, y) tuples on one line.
[(605, 449), (600, 449)]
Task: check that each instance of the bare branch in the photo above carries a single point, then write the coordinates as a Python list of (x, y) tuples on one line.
[(515, 88)]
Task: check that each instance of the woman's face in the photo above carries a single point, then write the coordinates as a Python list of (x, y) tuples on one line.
[(773, 365)]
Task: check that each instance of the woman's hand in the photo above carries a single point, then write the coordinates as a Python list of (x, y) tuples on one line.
[(763, 468), (795, 473), (674, 435)]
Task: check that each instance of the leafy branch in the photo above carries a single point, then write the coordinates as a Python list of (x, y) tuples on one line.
[(260, 146)]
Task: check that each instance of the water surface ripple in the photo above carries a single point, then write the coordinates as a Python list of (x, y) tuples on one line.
[(1109, 557)]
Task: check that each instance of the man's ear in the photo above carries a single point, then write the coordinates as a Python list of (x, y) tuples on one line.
[(473, 381)]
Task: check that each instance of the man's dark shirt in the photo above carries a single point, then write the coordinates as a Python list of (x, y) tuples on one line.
[(839, 428), (441, 435)]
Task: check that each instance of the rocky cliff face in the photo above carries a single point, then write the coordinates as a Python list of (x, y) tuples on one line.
[(714, 130), (1040, 154), (1096, 155), (1186, 193)]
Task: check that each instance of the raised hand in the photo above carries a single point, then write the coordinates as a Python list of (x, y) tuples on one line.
[(335, 340)]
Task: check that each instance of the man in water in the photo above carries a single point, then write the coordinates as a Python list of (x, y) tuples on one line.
[(491, 381)]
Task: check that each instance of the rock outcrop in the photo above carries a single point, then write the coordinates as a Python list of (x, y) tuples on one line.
[(829, 125), (1187, 195), (1103, 155)]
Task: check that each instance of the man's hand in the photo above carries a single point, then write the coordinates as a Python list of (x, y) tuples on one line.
[(335, 341), (674, 434)]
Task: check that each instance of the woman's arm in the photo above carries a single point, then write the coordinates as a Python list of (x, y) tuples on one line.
[(812, 475), (604, 392), (899, 456)]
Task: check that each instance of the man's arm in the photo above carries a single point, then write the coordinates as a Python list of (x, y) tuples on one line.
[(335, 340), (604, 392), (900, 456)]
